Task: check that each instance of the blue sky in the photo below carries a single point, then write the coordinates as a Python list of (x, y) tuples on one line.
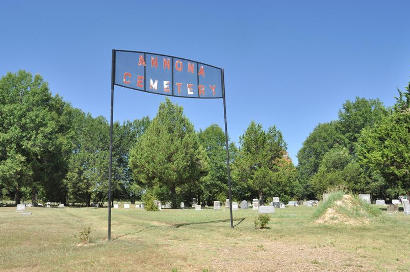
[(287, 63)]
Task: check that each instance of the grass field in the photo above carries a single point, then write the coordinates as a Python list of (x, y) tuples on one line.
[(189, 240)]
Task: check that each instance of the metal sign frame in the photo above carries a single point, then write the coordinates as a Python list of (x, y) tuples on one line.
[(113, 74)]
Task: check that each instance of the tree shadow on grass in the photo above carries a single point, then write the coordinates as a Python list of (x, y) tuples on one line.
[(207, 222)]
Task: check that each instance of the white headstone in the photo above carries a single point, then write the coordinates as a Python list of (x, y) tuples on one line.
[(282, 206), (255, 204), (395, 202), (307, 203), (116, 206), (182, 205), (365, 197), (406, 207), (380, 202), (20, 207), (217, 205), (244, 204), (266, 209), (197, 207), (404, 201), (61, 205), (275, 199), (227, 203), (293, 203), (126, 206), (234, 205)]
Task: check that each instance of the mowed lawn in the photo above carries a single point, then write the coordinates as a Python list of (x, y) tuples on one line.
[(189, 240)]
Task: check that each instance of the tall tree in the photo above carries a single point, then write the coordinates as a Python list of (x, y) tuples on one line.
[(32, 138), (383, 151), (354, 116), (323, 138), (254, 166), (169, 153), (215, 183)]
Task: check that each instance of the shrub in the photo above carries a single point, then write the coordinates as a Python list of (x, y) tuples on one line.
[(149, 202), (262, 221), (84, 235)]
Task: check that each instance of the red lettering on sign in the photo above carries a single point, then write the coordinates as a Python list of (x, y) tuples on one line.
[(201, 71), (140, 81), (124, 79), (201, 90), (190, 67), (178, 65), (166, 63), (141, 61), (212, 89), (189, 86), (178, 87), (154, 62), (166, 86)]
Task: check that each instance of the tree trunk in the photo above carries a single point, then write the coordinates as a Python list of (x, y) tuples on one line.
[(260, 198), (17, 196), (34, 198), (174, 203)]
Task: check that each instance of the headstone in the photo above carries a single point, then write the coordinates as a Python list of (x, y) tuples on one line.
[(393, 208), (255, 204), (281, 205), (48, 204), (406, 207), (244, 204), (126, 206), (325, 197), (266, 209), (158, 204), (197, 207), (29, 205), (116, 206), (20, 207), (314, 202), (234, 205), (293, 203), (61, 206), (380, 202), (193, 202), (275, 204), (138, 206), (217, 205), (275, 199), (227, 203), (182, 205), (395, 202), (365, 197), (307, 203), (404, 201)]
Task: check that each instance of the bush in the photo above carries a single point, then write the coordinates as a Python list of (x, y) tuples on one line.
[(149, 202), (84, 235), (262, 221)]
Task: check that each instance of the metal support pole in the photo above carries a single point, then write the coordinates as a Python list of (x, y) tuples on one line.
[(227, 149), (111, 131)]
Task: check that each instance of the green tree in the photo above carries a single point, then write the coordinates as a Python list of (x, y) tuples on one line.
[(125, 136), (323, 138), (338, 170), (254, 166), (384, 152), (169, 154), (32, 138), (215, 184), (87, 177), (354, 116)]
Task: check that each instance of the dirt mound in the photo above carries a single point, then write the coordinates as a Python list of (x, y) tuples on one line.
[(345, 209)]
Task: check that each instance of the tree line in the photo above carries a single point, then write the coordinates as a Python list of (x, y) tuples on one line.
[(51, 151)]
